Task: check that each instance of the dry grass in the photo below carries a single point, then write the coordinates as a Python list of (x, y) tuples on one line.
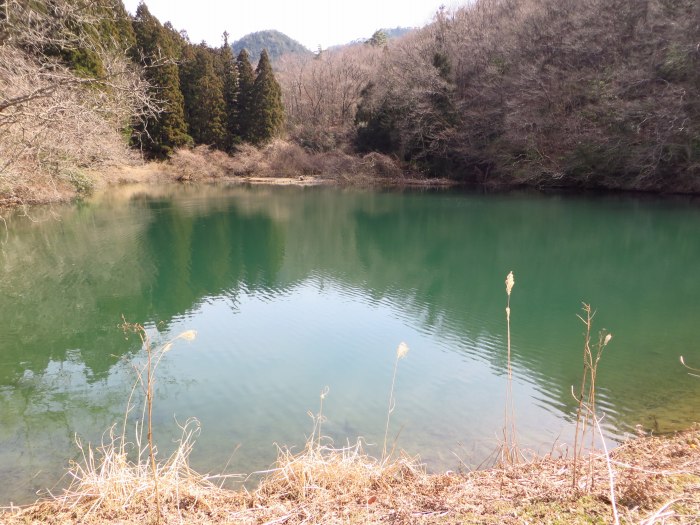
[(657, 481), (199, 163), (109, 487)]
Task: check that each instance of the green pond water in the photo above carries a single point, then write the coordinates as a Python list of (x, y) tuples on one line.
[(295, 289)]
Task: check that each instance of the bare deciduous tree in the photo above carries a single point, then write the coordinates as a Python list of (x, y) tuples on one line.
[(54, 121), (321, 93)]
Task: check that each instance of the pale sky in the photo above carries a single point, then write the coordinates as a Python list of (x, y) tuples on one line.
[(311, 22)]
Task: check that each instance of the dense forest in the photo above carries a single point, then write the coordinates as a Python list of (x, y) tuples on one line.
[(547, 93), (550, 93), (211, 97)]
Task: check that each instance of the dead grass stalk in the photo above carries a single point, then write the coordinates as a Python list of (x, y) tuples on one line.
[(401, 352), (586, 412), (510, 452)]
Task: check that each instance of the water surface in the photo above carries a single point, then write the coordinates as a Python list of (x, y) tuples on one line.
[(295, 289)]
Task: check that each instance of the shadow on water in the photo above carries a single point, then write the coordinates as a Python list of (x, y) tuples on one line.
[(294, 288)]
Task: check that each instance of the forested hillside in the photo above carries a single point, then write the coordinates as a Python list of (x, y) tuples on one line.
[(83, 85), (550, 93), (593, 93)]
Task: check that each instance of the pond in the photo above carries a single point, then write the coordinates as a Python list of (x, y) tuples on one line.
[(292, 290)]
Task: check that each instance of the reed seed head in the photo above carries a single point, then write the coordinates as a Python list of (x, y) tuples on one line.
[(402, 350), (510, 282), (188, 335)]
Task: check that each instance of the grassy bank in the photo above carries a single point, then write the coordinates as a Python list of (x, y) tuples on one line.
[(655, 480)]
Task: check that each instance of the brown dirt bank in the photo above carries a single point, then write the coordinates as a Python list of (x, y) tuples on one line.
[(656, 480)]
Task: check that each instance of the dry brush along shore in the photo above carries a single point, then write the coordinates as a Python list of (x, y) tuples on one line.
[(277, 163), (656, 480)]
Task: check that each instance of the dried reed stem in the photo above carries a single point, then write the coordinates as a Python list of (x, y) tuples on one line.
[(401, 352), (149, 402), (510, 443), (319, 419), (611, 474), (587, 395), (579, 412), (153, 358)]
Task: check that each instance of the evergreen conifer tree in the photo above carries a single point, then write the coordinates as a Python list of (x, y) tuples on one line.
[(203, 89), (267, 109), (228, 72), (95, 28), (378, 38), (244, 104), (115, 27), (154, 46)]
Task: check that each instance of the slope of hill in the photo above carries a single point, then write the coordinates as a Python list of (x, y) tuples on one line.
[(276, 43)]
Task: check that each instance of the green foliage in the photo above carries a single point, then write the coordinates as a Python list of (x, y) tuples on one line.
[(203, 92), (244, 105), (228, 71), (678, 64), (210, 97), (157, 47), (276, 44), (80, 37), (82, 183), (267, 110), (114, 27), (378, 39), (83, 61), (441, 62), (376, 124)]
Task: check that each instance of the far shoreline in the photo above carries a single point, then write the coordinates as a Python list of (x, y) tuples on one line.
[(162, 172)]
